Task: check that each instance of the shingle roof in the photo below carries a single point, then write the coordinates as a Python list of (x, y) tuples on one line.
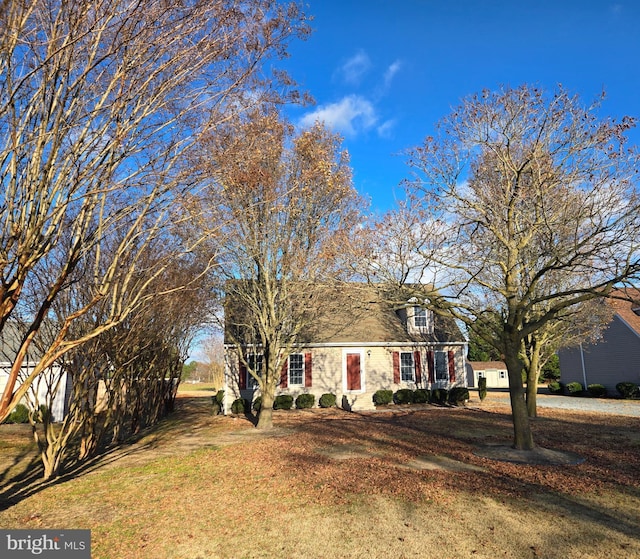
[(625, 308), (361, 313)]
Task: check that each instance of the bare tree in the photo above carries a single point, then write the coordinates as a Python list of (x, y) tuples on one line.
[(289, 210), (100, 105), (537, 198)]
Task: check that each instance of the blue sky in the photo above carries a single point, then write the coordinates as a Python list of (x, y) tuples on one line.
[(383, 72)]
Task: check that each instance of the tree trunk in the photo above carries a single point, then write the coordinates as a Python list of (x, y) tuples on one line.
[(523, 438), (532, 384), (265, 415)]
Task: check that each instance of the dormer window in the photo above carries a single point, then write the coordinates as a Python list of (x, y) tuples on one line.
[(419, 317), (636, 310)]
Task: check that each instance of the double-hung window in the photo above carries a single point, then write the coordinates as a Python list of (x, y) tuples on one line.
[(419, 317), (255, 364), (296, 369), (442, 366), (407, 367)]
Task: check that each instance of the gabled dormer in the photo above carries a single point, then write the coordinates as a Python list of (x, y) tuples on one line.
[(419, 318)]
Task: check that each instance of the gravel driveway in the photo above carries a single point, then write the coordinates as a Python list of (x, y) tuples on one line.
[(599, 405)]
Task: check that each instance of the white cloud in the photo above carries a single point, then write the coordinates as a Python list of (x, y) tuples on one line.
[(355, 68), (385, 129), (348, 116), (391, 72)]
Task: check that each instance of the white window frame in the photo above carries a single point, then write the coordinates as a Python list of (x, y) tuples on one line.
[(422, 314), (301, 370), (407, 370)]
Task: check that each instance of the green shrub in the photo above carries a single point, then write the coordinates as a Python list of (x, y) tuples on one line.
[(420, 396), (573, 388), (482, 388), (597, 390), (403, 396), (239, 406), (439, 396), (305, 401), (20, 414), (216, 402), (257, 404), (327, 400), (283, 402), (628, 390), (382, 397), (458, 395), (555, 387)]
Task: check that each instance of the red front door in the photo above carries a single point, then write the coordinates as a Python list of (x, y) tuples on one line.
[(354, 381)]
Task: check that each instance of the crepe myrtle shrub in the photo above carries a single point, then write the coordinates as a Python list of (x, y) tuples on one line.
[(327, 400), (283, 402), (305, 401), (573, 388), (239, 406), (421, 396), (482, 388), (597, 390), (555, 387), (458, 395), (628, 390), (403, 396), (382, 397)]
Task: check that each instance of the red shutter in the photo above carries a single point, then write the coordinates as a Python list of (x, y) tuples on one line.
[(418, 367), (396, 367), (308, 376), (430, 364), (284, 374), (242, 375), (452, 367)]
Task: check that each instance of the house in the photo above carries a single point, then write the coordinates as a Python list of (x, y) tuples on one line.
[(494, 371), (51, 388), (615, 356), (363, 344)]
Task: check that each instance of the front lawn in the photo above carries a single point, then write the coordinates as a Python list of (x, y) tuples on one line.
[(327, 483)]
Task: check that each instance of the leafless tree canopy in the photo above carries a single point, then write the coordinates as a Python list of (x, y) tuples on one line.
[(101, 103), (289, 211), (537, 204)]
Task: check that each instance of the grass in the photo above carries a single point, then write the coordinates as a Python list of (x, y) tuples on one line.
[(204, 486)]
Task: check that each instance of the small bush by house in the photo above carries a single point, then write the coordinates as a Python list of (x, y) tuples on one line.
[(482, 388), (403, 396), (382, 397), (439, 396), (257, 404), (458, 395), (597, 390), (421, 396), (283, 402), (239, 406), (573, 388), (327, 400), (555, 387), (20, 414), (305, 401), (628, 390)]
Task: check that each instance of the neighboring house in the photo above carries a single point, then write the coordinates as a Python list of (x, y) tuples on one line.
[(361, 348), (51, 388), (494, 371), (615, 357)]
